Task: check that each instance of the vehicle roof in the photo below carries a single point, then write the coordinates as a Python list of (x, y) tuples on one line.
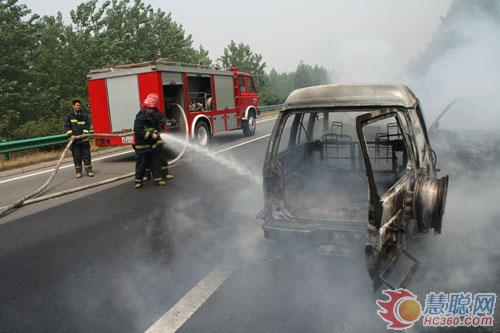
[(341, 95), (159, 66)]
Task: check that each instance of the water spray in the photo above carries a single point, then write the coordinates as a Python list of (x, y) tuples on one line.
[(226, 162)]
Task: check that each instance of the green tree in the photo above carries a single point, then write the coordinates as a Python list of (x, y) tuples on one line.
[(278, 87), (52, 82), (241, 56), (17, 37), (119, 32), (172, 43), (306, 76), (44, 63)]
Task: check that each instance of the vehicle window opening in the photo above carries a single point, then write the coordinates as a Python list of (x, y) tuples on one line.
[(387, 151), (200, 94), (251, 86), (241, 83), (322, 164)]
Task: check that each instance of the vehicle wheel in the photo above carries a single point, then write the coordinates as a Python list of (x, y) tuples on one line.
[(202, 133), (249, 125)]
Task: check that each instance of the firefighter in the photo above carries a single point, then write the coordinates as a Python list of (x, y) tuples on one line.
[(77, 123), (164, 159), (147, 146)]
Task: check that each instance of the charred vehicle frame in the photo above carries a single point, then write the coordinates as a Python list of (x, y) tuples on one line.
[(330, 146)]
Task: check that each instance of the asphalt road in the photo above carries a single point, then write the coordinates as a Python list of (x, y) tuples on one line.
[(115, 259)]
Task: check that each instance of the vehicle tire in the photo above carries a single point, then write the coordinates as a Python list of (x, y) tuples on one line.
[(202, 133), (249, 125)]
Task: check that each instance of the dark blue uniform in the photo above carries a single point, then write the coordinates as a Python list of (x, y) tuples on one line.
[(164, 160), (146, 148), (78, 123)]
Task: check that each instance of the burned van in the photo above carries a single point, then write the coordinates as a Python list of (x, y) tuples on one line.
[(348, 168)]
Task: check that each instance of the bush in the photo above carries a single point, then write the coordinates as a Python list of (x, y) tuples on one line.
[(38, 128), (269, 97)]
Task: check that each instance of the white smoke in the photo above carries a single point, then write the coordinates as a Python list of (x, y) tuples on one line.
[(471, 68)]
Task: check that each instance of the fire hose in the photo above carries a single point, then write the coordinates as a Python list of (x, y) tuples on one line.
[(32, 197)]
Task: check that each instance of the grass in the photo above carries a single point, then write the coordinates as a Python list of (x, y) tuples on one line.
[(268, 114)]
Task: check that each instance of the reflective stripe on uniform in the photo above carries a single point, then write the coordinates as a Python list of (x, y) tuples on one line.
[(69, 132), (81, 123), (74, 120), (156, 144), (164, 167), (146, 136), (142, 146)]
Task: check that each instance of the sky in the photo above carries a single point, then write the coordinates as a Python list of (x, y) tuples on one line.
[(360, 40)]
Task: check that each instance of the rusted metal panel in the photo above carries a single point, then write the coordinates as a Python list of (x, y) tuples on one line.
[(338, 95)]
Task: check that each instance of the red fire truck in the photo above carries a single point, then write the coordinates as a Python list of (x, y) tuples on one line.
[(213, 100)]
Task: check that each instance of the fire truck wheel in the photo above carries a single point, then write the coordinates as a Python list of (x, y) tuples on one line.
[(202, 133), (249, 125)]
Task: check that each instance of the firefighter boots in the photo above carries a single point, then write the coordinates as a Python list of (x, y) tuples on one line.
[(88, 170), (78, 172), (147, 176), (161, 183), (169, 177), (138, 184)]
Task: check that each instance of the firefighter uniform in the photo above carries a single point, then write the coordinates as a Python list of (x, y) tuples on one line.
[(77, 123), (164, 160), (147, 149)]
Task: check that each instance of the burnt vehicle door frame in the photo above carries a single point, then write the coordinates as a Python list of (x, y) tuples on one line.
[(275, 167), (389, 210), (272, 168)]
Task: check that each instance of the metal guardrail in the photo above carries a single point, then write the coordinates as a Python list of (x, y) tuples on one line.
[(7, 147), (270, 107), (20, 145)]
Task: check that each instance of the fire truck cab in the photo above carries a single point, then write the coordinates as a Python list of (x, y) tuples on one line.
[(213, 100)]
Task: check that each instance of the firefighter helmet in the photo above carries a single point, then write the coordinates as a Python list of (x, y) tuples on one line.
[(153, 96), (151, 100)]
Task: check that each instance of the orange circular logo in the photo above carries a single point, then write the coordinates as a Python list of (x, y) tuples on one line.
[(400, 310), (409, 310)]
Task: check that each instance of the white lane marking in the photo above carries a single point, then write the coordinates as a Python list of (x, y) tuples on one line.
[(63, 167), (178, 314), (242, 144), (263, 120), (182, 311)]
